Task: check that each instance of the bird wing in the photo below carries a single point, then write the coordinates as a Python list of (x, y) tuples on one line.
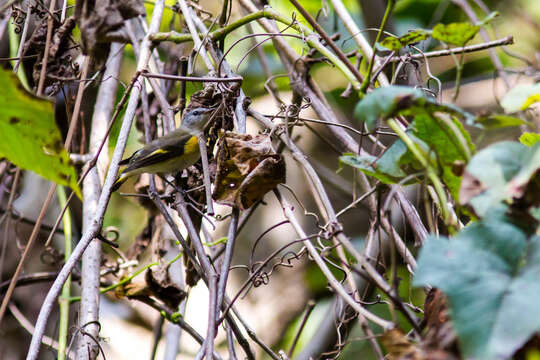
[(158, 151)]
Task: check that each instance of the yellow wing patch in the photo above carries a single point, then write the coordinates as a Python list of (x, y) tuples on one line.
[(192, 145), (157, 152)]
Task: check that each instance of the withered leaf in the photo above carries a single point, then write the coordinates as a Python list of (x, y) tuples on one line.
[(440, 336), (247, 168), (398, 347), (96, 18), (162, 287)]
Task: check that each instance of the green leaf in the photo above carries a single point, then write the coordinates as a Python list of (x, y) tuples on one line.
[(435, 130), (500, 121), (30, 138), (529, 138), (489, 273), (492, 16), (394, 43), (502, 172), (521, 97), (392, 167), (383, 102), (458, 33), (366, 164), (442, 141)]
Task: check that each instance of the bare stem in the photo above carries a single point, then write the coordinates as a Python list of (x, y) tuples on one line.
[(509, 40)]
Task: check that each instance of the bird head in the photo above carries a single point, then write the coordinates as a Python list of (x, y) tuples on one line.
[(197, 118)]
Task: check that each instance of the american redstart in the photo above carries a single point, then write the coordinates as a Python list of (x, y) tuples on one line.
[(170, 153)]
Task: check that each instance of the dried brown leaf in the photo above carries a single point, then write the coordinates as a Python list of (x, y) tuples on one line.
[(398, 347), (247, 169)]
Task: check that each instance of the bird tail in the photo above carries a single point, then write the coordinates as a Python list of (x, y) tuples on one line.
[(121, 179)]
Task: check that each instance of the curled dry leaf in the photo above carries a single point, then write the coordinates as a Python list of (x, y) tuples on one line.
[(399, 347), (62, 51), (247, 168), (439, 333), (98, 18), (157, 284), (162, 287)]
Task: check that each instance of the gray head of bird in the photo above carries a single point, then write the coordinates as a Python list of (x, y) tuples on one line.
[(196, 119)]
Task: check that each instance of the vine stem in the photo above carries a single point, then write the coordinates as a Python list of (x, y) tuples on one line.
[(357, 36), (66, 289), (105, 195), (334, 283), (45, 60), (431, 173), (311, 37), (367, 79)]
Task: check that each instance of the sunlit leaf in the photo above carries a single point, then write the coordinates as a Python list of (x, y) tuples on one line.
[(500, 121), (458, 33), (529, 139), (396, 43), (30, 138), (435, 130), (521, 97)]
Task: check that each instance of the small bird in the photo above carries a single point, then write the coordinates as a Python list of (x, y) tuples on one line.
[(170, 153)]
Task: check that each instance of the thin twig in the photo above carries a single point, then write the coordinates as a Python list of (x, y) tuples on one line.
[(45, 60), (469, 11), (333, 282), (193, 78), (328, 40), (27, 325), (23, 39), (206, 175), (508, 40), (367, 80), (309, 308), (357, 36), (229, 249)]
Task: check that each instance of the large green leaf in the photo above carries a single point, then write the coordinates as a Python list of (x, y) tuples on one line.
[(455, 33), (490, 273), (30, 138), (385, 102), (434, 129)]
